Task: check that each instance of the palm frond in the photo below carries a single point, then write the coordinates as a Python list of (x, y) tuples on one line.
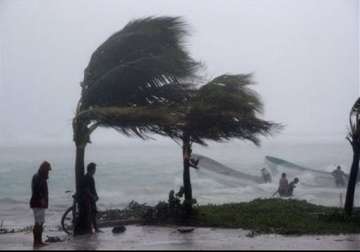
[(354, 121), (133, 63), (231, 92), (137, 121), (227, 108)]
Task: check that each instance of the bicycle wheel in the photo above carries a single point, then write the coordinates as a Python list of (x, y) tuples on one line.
[(67, 221)]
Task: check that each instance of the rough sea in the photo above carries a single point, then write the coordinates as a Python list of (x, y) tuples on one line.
[(147, 171)]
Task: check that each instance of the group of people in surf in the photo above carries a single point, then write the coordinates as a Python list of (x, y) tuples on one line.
[(286, 189)]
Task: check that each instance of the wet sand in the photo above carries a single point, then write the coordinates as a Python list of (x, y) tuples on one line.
[(161, 238)]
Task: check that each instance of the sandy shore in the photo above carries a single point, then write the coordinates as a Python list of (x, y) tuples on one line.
[(152, 238)]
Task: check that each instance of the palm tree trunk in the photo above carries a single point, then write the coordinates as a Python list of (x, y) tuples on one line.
[(349, 201), (82, 224), (186, 174), (79, 165)]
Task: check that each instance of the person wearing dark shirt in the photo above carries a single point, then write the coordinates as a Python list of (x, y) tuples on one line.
[(283, 186), (89, 195), (39, 201), (292, 186), (339, 177)]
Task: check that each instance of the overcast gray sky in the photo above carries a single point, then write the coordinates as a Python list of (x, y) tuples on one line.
[(304, 55)]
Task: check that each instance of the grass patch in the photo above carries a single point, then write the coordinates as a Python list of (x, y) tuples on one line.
[(261, 216), (282, 216)]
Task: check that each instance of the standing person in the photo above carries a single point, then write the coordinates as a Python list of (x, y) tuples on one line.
[(339, 176), (40, 201), (89, 195), (283, 185), (266, 175)]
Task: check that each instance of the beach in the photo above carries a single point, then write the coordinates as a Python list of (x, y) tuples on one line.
[(168, 238)]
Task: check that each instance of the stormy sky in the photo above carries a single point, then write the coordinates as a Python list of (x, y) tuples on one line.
[(303, 53)]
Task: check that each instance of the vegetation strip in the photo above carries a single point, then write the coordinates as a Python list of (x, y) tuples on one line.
[(262, 216)]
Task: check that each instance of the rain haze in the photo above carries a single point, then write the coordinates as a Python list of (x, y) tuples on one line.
[(304, 59), (303, 54)]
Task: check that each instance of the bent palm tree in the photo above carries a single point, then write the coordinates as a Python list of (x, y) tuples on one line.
[(223, 109), (354, 139), (129, 79)]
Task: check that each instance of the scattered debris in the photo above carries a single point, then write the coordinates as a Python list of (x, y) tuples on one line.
[(4, 230), (346, 239), (251, 234), (141, 213), (185, 229), (133, 211), (119, 229), (53, 239)]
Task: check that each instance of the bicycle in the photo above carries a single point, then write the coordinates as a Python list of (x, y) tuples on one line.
[(69, 217)]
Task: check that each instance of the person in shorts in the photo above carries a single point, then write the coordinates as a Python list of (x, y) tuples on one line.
[(39, 201)]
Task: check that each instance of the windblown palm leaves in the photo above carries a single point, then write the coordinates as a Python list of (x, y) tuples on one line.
[(129, 79), (133, 120), (140, 65), (135, 83), (354, 120), (354, 139), (226, 108), (222, 109), (134, 63)]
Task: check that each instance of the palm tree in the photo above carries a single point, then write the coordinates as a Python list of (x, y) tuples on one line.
[(223, 109), (131, 84), (354, 139)]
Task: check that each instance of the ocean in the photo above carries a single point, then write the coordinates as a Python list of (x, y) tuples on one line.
[(147, 171)]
